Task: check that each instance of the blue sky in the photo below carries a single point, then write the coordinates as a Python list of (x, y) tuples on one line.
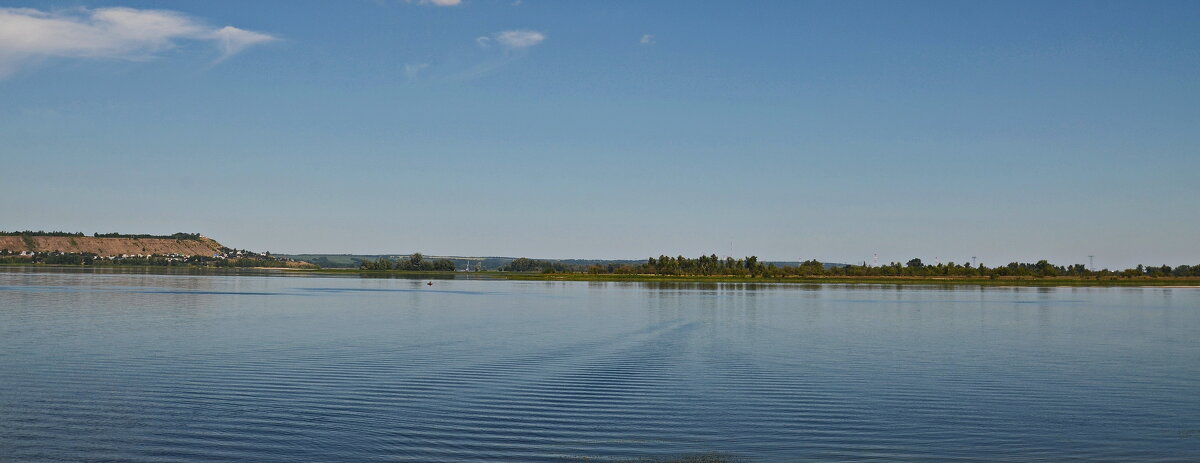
[(827, 130)]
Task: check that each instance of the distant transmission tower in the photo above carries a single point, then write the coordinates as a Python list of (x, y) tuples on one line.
[(972, 261), (1092, 262), (877, 259)]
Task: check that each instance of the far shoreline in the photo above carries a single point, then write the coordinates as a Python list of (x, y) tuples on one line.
[(1160, 282), (1045, 282)]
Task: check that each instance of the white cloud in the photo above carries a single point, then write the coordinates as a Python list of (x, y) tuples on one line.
[(519, 38), (28, 35), (441, 2), (232, 40), (413, 70), (647, 39)]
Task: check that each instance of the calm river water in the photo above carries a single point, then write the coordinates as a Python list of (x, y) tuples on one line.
[(159, 368)]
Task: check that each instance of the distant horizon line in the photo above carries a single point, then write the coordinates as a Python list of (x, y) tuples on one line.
[(867, 262)]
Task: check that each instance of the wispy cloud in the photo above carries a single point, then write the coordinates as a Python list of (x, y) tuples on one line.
[(232, 40), (520, 38), (412, 70), (515, 44), (647, 39), (28, 35), (514, 39), (436, 2)]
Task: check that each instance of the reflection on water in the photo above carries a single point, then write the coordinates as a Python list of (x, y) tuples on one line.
[(262, 367)]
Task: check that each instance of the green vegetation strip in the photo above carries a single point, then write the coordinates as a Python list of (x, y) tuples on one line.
[(435, 275), (1164, 281)]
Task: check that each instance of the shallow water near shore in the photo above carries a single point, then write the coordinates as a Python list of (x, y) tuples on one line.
[(184, 367)]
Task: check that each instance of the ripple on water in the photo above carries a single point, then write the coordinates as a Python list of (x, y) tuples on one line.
[(213, 368)]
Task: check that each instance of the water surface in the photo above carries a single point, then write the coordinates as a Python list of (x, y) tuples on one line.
[(144, 367)]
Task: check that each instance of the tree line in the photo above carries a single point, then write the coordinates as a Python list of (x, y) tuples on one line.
[(174, 236), (522, 264), (750, 266), (40, 233), (415, 262)]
